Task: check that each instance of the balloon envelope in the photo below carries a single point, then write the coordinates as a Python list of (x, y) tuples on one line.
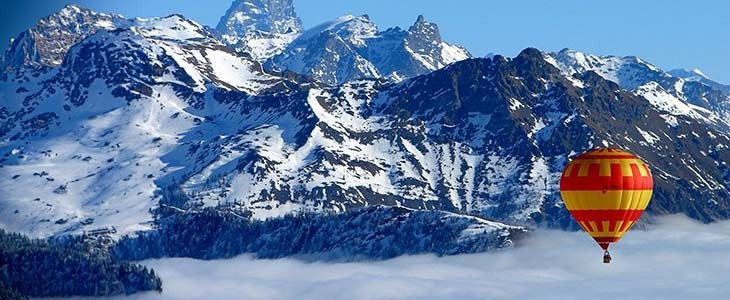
[(606, 190)]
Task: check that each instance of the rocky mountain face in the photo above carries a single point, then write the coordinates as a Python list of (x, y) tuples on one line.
[(260, 28), (679, 90), (340, 142), (47, 42), (155, 112), (352, 47), (104, 119), (161, 115), (348, 48)]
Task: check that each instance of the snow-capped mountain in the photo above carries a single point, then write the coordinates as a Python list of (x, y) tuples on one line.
[(676, 92), (97, 137), (160, 114), (105, 118), (47, 42), (351, 47), (629, 72), (261, 28)]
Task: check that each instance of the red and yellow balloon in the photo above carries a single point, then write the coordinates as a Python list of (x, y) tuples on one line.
[(606, 190)]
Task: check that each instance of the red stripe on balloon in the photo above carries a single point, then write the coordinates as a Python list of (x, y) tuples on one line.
[(605, 241), (616, 181)]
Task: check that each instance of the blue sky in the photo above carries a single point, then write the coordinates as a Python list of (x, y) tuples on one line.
[(670, 34)]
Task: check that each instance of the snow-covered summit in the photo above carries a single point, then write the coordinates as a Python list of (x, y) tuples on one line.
[(172, 27), (425, 44), (158, 115), (352, 47), (628, 71), (691, 89), (128, 124), (261, 28)]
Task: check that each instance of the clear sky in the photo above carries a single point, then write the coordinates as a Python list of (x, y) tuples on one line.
[(670, 34)]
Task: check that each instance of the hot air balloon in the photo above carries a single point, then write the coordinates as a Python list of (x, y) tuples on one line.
[(606, 190)]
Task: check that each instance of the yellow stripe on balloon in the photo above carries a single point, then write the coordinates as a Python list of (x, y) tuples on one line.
[(628, 199)]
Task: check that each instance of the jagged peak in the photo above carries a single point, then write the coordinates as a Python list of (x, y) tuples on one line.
[(272, 16), (580, 56), (47, 41), (422, 29), (72, 8), (421, 23), (71, 11)]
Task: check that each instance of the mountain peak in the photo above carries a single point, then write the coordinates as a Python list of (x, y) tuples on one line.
[(72, 13), (421, 23), (172, 27), (261, 28), (351, 47), (71, 8), (530, 52), (628, 71), (424, 31), (46, 43), (270, 16)]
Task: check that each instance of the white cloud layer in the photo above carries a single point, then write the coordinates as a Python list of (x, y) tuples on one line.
[(675, 259)]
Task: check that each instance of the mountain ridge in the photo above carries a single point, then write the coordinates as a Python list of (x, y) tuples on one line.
[(191, 123)]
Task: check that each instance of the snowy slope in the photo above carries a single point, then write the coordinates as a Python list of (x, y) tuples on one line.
[(486, 137), (92, 140), (161, 114)]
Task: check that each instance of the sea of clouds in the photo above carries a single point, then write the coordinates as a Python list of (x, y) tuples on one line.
[(675, 258)]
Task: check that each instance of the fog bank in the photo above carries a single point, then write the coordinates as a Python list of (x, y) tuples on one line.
[(675, 258)]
